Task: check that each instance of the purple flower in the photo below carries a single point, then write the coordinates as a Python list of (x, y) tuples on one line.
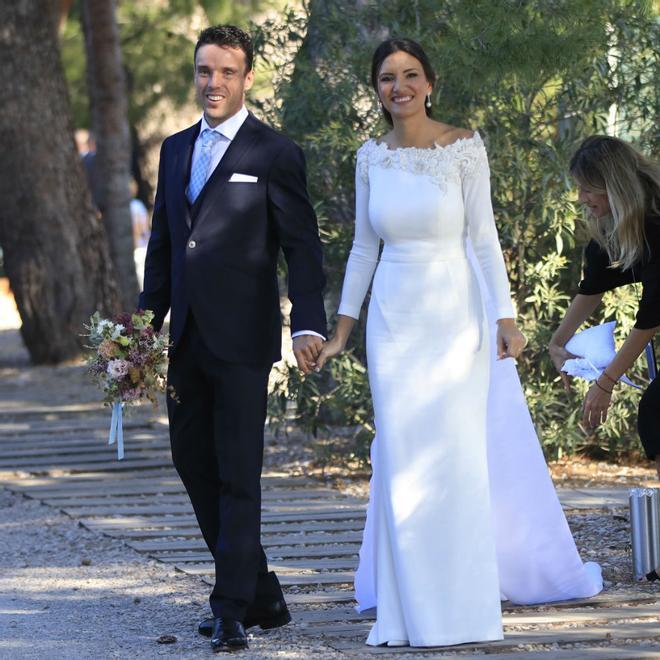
[(137, 356), (97, 368), (126, 321)]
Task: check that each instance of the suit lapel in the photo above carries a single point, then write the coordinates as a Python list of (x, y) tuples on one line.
[(181, 170)]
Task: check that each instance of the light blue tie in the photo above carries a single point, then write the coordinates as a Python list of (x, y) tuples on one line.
[(200, 171)]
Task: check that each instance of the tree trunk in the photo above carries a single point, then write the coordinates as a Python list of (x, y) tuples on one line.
[(145, 191), (55, 250), (109, 111), (298, 119), (318, 53)]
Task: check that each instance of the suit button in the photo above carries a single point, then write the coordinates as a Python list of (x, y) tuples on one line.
[(192, 244)]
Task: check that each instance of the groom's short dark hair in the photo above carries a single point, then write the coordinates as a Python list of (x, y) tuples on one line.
[(228, 36)]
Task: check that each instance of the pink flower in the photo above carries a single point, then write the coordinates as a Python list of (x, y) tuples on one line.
[(133, 394), (117, 369), (128, 394)]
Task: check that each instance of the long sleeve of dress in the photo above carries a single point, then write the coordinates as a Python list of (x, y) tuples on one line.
[(483, 233), (364, 253)]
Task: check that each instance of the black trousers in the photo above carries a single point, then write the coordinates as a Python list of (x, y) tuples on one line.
[(648, 419), (216, 434)]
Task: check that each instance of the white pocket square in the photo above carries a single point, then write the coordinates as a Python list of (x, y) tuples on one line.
[(237, 177)]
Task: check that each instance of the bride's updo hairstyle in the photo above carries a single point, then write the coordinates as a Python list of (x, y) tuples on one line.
[(393, 46), (607, 165)]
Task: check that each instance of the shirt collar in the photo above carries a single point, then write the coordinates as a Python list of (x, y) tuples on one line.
[(229, 127)]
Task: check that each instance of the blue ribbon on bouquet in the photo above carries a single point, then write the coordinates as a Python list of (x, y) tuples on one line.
[(116, 429)]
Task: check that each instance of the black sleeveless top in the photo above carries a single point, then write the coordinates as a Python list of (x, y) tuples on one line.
[(598, 277)]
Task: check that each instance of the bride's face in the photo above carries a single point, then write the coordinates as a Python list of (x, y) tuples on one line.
[(402, 85)]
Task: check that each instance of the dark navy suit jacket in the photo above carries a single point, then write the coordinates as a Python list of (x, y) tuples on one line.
[(218, 258)]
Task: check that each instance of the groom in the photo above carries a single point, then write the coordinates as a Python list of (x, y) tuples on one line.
[(231, 192)]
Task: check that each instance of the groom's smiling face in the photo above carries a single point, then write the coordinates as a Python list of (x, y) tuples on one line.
[(221, 81)]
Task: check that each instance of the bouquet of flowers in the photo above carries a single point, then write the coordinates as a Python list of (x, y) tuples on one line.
[(129, 364)]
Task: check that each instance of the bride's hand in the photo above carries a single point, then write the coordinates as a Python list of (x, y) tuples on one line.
[(329, 349), (510, 341)]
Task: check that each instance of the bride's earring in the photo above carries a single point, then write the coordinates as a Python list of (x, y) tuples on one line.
[(428, 100)]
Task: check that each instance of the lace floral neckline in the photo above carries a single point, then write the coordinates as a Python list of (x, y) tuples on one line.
[(442, 164), (435, 148)]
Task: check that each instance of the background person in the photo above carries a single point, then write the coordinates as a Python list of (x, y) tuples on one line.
[(620, 190)]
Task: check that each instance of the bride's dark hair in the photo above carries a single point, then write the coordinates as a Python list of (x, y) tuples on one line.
[(393, 46)]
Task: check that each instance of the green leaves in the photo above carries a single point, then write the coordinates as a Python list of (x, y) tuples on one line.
[(157, 40)]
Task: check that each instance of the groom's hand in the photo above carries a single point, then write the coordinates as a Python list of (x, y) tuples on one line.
[(306, 348)]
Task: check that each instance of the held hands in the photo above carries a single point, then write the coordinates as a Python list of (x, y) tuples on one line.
[(307, 349), (331, 348), (510, 341), (312, 352), (337, 344)]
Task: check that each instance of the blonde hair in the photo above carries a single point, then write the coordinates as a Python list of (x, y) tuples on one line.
[(607, 165)]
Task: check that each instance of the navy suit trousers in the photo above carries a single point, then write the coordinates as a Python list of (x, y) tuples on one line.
[(217, 433)]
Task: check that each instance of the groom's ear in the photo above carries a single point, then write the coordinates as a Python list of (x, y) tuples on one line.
[(249, 80)]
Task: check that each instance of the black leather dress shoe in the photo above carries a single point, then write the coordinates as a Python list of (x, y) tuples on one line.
[(271, 615), (228, 635)]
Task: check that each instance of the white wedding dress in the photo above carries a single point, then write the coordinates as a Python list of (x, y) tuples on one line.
[(442, 542)]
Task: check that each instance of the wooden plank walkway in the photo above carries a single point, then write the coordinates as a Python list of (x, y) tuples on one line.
[(311, 534)]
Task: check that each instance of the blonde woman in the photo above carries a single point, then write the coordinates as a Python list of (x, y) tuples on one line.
[(620, 189)]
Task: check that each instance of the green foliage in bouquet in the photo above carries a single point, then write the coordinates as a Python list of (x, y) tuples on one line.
[(534, 78)]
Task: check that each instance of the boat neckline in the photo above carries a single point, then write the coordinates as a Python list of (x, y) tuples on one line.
[(435, 147)]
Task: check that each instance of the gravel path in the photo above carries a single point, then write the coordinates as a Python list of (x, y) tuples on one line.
[(67, 593)]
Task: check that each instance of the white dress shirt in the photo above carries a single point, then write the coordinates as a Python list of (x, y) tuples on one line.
[(228, 130)]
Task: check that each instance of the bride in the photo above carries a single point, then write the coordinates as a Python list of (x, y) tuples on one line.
[(462, 511)]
